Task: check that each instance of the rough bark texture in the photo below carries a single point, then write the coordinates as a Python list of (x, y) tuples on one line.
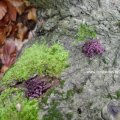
[(92, 91), (67, 3)]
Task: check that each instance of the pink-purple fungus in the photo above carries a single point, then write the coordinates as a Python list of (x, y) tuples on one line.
[(37, 86), (92, 48)]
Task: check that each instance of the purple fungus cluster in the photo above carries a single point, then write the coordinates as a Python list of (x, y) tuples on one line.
[(37, 86), (92, 48)]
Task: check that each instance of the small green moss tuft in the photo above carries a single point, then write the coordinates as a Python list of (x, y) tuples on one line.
[(53, 113), (85, 32), (39, 59), (69, 116), (43, 3), (62, 83), (116, 95), (44, 99), (69, 94), (118, 23)]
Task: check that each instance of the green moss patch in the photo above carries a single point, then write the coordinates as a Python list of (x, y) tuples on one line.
[(38, 59), (14, 106), (85, 32)]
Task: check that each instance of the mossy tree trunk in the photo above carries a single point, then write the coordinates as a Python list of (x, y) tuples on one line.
[(53, 3)]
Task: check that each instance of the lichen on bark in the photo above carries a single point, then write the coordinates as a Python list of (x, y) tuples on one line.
[(44, 3)]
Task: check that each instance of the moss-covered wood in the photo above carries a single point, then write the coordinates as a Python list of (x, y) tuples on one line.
[(43, 3), (51, 3)]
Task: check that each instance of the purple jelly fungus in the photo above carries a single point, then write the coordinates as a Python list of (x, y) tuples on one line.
[(92, 48), (36, 87)]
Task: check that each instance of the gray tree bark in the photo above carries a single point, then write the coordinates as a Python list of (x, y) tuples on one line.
[(107, 4), (54, 3)]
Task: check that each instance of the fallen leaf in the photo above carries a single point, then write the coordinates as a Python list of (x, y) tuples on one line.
[(2, 35), (5, 20), (22, 32), (30, 24), (9, 13), (5, 31), (17, 20), (12, 13), (12, 29), (9, 54), (8, 30), (19, 5), (32, 14), (3, 9), (27, 3), (19, 44), (4, 69)]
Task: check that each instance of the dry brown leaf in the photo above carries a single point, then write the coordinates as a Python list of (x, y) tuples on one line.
[(12, 12), (17, 20), (19, 5), (2, 35), (9, 53), (8, 30), (19, 44), (5, 31), (27, 3), (11, 30), (3, 9), (32, 14), (5, 20), (22, 32), (4, 69)]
